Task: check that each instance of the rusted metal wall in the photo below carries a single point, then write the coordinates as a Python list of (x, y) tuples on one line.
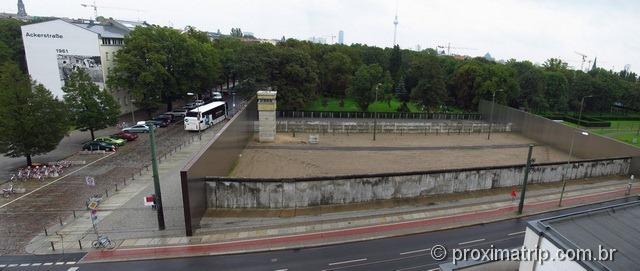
[(217, 158)]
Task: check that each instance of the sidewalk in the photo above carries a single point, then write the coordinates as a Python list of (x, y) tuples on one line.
[(122, 215), (316, 232)]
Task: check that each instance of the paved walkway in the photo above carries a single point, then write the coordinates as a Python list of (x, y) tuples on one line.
[(315, 232), (122, 214)]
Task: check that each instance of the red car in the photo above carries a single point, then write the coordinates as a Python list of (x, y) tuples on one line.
[(125, 135)]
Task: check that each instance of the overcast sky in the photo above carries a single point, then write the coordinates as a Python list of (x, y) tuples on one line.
[(533, 30)]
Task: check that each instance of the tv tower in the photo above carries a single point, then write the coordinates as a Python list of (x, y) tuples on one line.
[(395, 26)]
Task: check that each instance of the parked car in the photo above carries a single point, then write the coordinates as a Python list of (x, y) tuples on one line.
[(217, 96), (178, 112), (139, 128), (98, 145), (159, 122), (169, 117), (126, 136), (190, 106), (111, 140)]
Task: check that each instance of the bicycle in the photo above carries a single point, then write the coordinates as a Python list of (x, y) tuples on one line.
[(6, 192), (103, 242)]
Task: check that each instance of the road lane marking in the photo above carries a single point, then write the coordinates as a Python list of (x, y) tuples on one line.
[(282, 270), (47, 263), (54, 181), (71, 263), (73, 268), (25, 264), (349, 261), (3, 265), (36, 264), (434, 269), (59, 263), (12, 265), (472, 241), (515, 233), (415, 251)]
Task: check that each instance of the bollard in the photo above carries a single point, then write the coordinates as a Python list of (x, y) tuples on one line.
[(106, 192), (52, 247), (80, 244), (60, 219), (124, 180), (133, 176), (74, 214), (116, 187), (45, 232)]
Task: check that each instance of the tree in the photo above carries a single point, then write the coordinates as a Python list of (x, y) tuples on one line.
[(89, 107), (556, 91), (364, 83), (33, 122), (295, 77), (336, 73), (395, 63), (159, 65), (554, 65), (430, 89), (236, 32), (11, 46)]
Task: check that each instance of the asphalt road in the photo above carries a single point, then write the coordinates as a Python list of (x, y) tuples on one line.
[(403, 253)]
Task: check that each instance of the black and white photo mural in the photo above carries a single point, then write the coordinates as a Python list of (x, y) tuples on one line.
[(90, 64)]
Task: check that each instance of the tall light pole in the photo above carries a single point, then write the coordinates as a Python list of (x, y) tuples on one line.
[(526, 179), (493, 103), (573, 137), (156, 178), (133, 117), (375, 115)]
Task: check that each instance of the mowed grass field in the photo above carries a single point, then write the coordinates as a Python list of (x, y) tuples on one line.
[(350, 105), (622, 130)]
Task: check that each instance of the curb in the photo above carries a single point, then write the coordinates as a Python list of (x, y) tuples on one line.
[(209, 249)]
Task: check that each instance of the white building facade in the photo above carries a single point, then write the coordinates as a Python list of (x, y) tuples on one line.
[(54, 49)]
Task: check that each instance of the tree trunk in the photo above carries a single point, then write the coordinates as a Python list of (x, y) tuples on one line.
[(228, 82), (93, 137), (28, 156)]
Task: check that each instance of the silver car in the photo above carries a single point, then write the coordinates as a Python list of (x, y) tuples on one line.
[(139, 128)]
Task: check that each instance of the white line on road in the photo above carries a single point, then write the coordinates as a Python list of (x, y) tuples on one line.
[(25, 264), (47, 263), (349, 261), (515, 233), (71, 263), (3, 265), (415, 251), (59, 263), (434, 269), (282, 270), (54, 181), (12, 265), (472, 241), (36, 264), (73, 268)]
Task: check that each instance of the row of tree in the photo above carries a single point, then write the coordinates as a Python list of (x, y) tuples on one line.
[(32, 120)]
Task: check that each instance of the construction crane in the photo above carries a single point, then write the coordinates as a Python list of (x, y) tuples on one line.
[(584, 58), (95, 8), (448, 47), (330, 36)]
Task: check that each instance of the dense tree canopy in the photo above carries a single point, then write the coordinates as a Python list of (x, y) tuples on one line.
[(91, 108), (32, 121)]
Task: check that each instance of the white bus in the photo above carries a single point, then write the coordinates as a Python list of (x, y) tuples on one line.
[(204, 116)]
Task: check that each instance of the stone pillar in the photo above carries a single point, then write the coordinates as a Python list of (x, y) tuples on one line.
[(267, 116)]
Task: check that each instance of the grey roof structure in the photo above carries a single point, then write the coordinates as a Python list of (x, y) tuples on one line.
[(615, 227), (104, 30)]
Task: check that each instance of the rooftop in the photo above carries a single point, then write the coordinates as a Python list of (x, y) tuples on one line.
[(612, 227)]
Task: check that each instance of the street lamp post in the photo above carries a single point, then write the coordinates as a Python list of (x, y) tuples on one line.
[(493, 103), (233, 102), (375, 115), (133, 117), (526, 179), (156, 178), (573, 137)]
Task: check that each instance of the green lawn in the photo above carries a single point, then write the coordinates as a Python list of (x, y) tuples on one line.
[(350, 105), (622, 130)]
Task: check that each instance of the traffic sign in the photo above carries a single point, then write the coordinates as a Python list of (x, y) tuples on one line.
[(148, 200), (92, 205), (90, 181)]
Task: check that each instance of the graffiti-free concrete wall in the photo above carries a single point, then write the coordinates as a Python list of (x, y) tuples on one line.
[(558, 135), (410, 126), (225, 192)]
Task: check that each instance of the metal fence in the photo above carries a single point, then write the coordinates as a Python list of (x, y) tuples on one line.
[(380, 115)]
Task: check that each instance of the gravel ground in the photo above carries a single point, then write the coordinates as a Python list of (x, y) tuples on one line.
[(358, 154)]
